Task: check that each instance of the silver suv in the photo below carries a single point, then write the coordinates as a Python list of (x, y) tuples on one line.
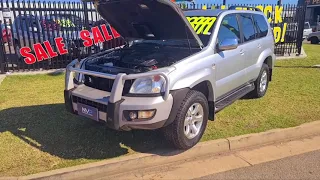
[(175, 72)]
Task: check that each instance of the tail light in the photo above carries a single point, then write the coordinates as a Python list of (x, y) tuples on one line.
[(314, 29)]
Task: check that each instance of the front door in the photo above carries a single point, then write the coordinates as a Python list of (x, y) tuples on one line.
[(230, 68)]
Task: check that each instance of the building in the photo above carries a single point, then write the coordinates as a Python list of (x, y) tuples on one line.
[(313, 11)]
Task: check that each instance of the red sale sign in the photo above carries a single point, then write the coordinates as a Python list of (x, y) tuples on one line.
[(43, 51)]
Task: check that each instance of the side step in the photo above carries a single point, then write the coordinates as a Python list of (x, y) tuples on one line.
[(228, 100)]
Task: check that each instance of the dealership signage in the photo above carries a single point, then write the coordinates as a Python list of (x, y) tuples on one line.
[(202, 25), (45, 51)]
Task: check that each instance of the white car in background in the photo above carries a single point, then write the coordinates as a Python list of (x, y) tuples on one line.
[(314, 37), (307, 30)]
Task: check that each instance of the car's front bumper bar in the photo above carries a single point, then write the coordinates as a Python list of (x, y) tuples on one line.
[(115, 103)]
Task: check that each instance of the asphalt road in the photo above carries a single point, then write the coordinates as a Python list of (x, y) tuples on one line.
[(304, 166)]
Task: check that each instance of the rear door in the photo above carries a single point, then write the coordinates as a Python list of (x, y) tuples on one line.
[(264, 42), (251, 44)]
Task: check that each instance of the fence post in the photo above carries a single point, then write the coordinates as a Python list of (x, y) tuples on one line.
[(301, 14), (224, 2), (86, 20), (2, 56), (2, 52)]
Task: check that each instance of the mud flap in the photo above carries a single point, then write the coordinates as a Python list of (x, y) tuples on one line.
[(178, 96)]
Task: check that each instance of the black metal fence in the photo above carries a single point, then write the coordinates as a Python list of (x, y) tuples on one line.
[(24, 24)]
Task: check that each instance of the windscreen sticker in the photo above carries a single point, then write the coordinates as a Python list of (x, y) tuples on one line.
[(202, 25)]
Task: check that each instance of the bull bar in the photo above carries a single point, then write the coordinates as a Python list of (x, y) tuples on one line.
[(117, 88)]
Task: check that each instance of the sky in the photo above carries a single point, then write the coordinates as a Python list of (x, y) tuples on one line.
[(228, 1), (248, 1)]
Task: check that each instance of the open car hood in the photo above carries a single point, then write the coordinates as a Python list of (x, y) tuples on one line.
[(146, 19)]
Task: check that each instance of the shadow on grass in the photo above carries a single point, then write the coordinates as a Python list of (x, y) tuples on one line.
[(306, 67), (52, 129)]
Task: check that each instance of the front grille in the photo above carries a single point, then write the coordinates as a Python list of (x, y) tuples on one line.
[(105, 84), (99, 106)]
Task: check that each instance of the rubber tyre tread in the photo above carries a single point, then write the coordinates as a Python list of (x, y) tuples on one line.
[(175, 131)]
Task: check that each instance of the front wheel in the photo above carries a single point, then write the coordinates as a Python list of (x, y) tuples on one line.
[(190, 122)]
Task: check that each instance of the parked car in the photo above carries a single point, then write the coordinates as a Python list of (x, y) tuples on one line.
[(314, 37), (307, 30), (172, 75)]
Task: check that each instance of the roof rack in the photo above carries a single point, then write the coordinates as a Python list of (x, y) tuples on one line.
[(248, 7)]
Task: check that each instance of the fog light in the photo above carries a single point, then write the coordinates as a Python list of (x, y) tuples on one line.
[(133, 115), (146, 114)]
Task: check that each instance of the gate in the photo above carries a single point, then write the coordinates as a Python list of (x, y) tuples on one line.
[(24, 24)]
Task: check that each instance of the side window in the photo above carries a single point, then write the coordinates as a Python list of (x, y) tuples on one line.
[(248, 28), (229, 28), (261, 24)]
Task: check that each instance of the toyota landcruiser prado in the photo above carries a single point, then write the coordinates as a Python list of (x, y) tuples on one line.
[(177, 69)]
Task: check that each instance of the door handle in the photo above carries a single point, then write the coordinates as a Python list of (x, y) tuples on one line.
[(242, 52)]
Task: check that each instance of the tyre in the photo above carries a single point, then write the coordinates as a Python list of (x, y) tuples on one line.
[(262, 83), (314, 40), (190, 121)]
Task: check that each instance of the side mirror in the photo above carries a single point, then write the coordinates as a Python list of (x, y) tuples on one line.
[(228, 44)]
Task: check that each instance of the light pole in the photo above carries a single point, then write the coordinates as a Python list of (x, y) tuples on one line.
[(224, 2), (279, 2)]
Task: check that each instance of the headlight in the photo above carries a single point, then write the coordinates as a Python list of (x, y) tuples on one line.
[(148, 85)]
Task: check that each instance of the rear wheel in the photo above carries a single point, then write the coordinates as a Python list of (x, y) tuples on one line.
[(314, 40), (190, 122), (262, 83)]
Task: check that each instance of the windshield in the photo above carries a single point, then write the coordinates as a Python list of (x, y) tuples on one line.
[(203, 26), (307, 26)]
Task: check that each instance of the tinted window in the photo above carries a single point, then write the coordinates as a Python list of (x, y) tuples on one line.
[(229, 28), (261, 24), (248, 29)]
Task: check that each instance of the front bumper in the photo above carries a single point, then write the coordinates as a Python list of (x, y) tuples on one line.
[(111, 105)]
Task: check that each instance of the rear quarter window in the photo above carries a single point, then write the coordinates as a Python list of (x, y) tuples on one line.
[(261, 24)]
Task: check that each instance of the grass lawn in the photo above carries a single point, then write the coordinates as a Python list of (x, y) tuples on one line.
[(37, 134)]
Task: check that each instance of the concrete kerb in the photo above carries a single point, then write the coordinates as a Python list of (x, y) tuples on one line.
[(2, 77), (293, 56), (154, 159), (50, 72)]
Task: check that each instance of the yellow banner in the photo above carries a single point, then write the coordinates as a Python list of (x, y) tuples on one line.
[(202, 25)]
